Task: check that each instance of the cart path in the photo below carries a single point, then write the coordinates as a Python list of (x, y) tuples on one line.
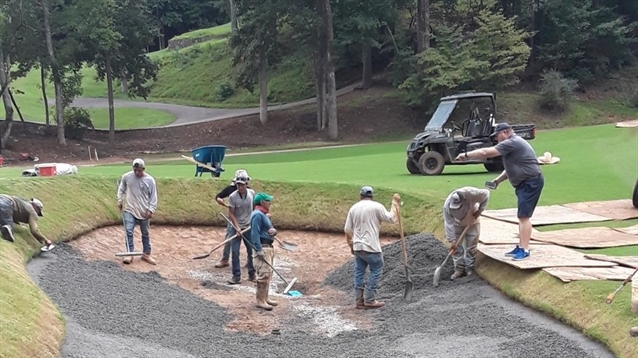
[(113, 312), (186, 115)]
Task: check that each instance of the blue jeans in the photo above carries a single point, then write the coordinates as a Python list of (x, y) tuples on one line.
[(129, 227), (235, 246), (226, 251), (363, 259)]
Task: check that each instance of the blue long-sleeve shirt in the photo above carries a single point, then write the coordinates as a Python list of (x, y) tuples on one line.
[(259, 226)]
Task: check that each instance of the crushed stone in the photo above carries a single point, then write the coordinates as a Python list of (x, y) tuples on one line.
[(153, 318)]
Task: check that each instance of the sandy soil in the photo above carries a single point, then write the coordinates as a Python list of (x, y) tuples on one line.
[(174, 247)]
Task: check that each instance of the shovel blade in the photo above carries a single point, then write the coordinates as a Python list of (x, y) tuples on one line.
[(201, 257), (288, 246), (437, 276), (407, 293)]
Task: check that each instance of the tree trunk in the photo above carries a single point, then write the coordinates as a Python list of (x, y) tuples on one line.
[(123, 82), (233, 17), (5, 78), (15, 105), (44, 94), (532, 27), (426, 25), (263, 82), (422, 25), (57, 80), (320, 72), (366, 58), (109, 93), (333, 125)]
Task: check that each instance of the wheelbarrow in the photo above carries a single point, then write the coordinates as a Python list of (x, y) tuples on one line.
[(208, 159)]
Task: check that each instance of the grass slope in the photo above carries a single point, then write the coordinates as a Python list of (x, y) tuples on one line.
[(29, 324)]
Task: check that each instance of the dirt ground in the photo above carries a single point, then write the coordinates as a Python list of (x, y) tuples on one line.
[(358, 122), (331, 311)]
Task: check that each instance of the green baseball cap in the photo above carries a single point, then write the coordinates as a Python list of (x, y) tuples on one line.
[(262, 196)]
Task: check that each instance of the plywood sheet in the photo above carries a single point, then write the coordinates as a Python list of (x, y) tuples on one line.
[(628, 261), (500, 232), (543, 256), (627, 124), (587, 238), (613, 209), (631, 230), (547, 215), (568, 274)]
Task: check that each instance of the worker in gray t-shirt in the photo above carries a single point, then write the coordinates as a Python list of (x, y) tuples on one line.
[(525, 175), (240, 207)]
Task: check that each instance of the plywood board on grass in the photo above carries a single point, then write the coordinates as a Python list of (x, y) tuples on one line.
[(547, 215), (587, 238), (568, 274), (543, 256), (631, 230), (500, 232), (628, 261), (621, 209), (627, 124)]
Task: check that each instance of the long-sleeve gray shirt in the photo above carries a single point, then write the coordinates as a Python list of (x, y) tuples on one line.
[(141, 194), (456, 219)]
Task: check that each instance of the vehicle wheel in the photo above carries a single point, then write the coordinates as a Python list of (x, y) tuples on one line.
[(431, 163), (412, 168), (635, 197), (496, 166)]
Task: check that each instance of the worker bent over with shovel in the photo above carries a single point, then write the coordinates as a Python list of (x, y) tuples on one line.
[(362, 234), (14, 209), (261, 235), (462, 208)]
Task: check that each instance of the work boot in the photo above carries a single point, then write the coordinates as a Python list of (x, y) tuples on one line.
[(222, 263), (252, 278), (149, 259), (234, 281), (127, 260), (7, 233), (457, 274), (268, 300), (358, 294), (373, 304), (262, 293), (633, 332)]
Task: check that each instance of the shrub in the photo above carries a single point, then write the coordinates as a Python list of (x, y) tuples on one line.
[(76, 121), (633, 100), (556, 91), (224, 91)]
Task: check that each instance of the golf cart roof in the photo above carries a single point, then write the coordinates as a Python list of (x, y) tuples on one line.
[(467, 95)]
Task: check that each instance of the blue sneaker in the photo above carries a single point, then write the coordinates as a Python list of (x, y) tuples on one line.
[(513, 252), (522, 254)]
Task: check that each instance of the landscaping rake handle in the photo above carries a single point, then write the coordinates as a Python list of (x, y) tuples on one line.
[(612, 295)]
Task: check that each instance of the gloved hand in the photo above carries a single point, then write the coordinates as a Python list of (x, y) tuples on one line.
[(272, 231), (453, 248), (260, 254)]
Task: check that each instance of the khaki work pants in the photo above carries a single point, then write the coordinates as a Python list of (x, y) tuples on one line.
[(263, 271)]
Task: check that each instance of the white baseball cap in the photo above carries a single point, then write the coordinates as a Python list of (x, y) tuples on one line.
[(367, 191), (456, 200), (37, 203), (138, 162)]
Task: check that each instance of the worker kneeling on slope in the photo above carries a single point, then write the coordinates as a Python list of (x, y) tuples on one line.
[(261, 235), (462, 208), (362, 234), (14, 209)]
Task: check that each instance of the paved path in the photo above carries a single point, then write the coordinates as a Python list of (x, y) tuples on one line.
[(186, 115)]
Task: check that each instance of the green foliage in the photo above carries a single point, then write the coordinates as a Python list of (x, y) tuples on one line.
[(556, 91), (76, 121), (488, 58), (224, 91)]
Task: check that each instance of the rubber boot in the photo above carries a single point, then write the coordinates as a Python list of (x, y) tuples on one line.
[(268, 300), (358, 294), (262, 292)]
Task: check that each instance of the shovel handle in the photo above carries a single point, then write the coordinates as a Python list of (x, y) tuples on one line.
[(458, 241)]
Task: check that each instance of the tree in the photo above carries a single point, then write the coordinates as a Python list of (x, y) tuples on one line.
[(255, 47), (325, 12)]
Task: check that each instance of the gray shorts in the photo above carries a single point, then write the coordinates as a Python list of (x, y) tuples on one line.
[(6, 211)]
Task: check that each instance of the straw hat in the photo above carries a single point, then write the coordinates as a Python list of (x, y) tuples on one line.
[(547, 158)]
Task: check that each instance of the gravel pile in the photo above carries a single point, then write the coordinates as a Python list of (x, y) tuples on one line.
[(112, 312)]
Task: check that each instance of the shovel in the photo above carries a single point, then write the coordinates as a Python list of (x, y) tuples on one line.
[(409, 285), (286, 245), (437, 272), (216, 247)]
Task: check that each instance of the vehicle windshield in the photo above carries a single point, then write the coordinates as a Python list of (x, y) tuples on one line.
[(441, 115)]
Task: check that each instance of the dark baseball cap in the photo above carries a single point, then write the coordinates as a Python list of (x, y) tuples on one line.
[(500, 127)]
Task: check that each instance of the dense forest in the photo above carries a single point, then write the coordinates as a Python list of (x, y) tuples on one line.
[(431, 47)]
